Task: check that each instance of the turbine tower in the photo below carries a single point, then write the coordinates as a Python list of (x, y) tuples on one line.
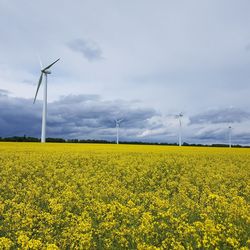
[(230, 136), (44, 72), (117, 123), (179, 116)]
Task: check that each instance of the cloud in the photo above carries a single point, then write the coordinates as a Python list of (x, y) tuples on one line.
[(82, 116), (4, 92), (160, 126), (230, 115), (91, 117), (18, 117), (211, 133), (89, 49)]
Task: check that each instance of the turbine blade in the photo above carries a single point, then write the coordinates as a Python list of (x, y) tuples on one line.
[(38, 86), (51, 64)]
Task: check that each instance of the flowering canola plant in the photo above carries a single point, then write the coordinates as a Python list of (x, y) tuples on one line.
[(93, 196)]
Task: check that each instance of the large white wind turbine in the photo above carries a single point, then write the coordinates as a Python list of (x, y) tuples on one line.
[(44, 72), (230, 136), (117, 123), (179, 116)]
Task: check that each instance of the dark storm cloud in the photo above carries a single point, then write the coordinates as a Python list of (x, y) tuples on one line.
[(230, 115), (18, 116), (83, 116), (89, 49), (91, 117), (89, 114), (211, 134), (243, 138), (219, 135)]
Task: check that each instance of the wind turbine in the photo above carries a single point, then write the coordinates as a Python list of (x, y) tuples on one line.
[(230, 136), (117, 123), (179, 116), (44, 72)]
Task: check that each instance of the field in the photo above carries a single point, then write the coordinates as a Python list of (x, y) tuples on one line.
[(69, 196)]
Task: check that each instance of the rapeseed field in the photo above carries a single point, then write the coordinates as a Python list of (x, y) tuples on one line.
[(72, 196)]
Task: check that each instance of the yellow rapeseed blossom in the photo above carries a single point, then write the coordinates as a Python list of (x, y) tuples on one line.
[(93, 196)]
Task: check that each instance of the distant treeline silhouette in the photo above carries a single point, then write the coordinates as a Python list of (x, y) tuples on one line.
[(61, 140)]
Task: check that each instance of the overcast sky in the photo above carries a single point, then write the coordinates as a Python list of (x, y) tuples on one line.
[(141, 60)]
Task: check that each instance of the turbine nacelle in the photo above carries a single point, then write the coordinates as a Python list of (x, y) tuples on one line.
[(118, 121), (47, 72)]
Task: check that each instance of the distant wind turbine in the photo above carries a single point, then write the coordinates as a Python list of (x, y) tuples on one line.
[(230, 136), (179, 116), (44, 72), (117, 123)]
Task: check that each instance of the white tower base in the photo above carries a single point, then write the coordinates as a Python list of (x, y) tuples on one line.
[(44, 117)]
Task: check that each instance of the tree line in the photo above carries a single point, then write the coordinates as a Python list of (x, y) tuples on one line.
[(61, 140)]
